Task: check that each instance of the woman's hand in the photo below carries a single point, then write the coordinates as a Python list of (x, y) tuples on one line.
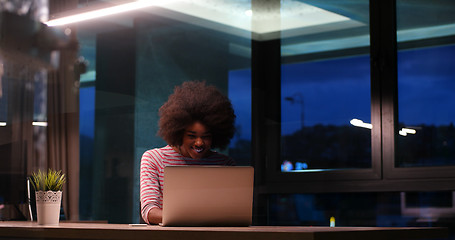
[(155, 216)]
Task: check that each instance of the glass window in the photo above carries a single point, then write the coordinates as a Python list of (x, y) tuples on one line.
[(240, 95), (325, 89), (426, 70), (87, 56), (86, 139), (134, 63)]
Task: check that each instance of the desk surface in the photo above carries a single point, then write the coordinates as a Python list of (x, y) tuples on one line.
[(64, 230)]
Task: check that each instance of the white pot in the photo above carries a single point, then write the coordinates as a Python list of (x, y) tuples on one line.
[(48, 207)]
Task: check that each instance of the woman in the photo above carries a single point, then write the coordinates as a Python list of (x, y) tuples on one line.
[(195, 119)]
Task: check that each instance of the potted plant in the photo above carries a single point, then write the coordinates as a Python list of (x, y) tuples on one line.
[(48, 191)]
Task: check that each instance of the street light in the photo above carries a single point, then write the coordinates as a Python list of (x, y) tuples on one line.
[(298, 98)]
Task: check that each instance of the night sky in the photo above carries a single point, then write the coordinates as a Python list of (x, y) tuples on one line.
[(338, 90)]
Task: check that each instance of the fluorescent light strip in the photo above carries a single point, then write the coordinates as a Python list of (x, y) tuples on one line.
[(406, 131), (359, 123), (409, 130), (40, 124), (103, 12)]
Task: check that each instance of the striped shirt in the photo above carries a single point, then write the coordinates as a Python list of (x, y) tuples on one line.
[(152, 173)]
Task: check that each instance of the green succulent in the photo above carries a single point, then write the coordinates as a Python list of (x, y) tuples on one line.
[(51, 180)]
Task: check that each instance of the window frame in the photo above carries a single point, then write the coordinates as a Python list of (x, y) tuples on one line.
[(383, 175)]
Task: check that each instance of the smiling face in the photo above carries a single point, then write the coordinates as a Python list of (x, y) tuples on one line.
[(197, 141)]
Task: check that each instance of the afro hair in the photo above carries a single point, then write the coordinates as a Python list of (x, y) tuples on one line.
[(192, 102)]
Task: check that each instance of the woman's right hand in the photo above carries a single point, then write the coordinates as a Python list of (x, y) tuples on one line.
[(155, 216)]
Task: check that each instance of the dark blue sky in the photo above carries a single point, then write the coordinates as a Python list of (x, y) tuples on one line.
[(334, 92), (87, 111), (426, 86)]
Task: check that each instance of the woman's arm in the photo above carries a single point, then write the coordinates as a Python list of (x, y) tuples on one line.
[(150, 192), (155, 216)]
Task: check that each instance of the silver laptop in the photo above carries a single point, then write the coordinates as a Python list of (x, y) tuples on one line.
[(208, 196)]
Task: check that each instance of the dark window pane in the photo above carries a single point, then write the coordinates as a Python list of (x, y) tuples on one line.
[(325, 90), (320, 100), (426, 70), (426, 113)]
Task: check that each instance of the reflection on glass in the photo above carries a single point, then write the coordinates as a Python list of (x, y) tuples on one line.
[(381, 209), (428, 206), (425, 84), (359, 123)]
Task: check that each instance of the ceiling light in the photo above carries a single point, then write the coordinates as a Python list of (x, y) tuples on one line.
[(104, 12)]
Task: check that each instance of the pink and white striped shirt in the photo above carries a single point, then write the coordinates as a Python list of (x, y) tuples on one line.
[(152, 173)]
